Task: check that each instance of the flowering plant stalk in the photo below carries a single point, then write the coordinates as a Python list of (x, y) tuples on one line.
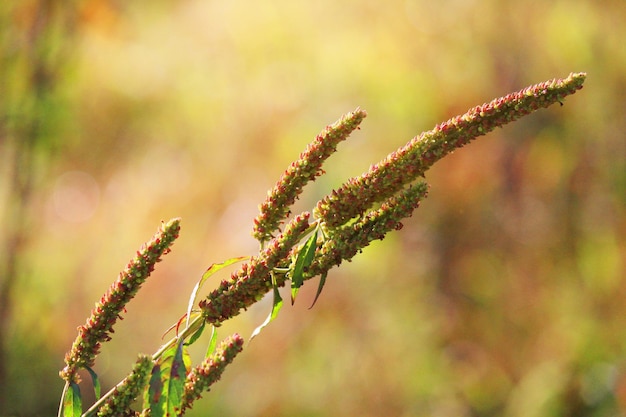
[(363, 209)]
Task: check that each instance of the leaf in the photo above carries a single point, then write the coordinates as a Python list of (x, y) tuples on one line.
[(303, 260), (72, 401), (210, 271), (276, 306), (196, 334), (167, 382), (95, 381), (152, 399), (319, 288), (212, 342), (186, 358)]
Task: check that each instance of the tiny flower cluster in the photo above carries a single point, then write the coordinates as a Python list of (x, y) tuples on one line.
[(343, 215), (103, 317), (127, 391), (363, 209), (206, 374), (411, 161), (308, 166), (348, 240), (247, 285)]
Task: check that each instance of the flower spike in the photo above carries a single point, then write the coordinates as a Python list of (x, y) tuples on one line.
[(253, 280), (206, 374), (308, 166), (99, 325), (411, 161), (362, 210), (348, 240), (126, 391)]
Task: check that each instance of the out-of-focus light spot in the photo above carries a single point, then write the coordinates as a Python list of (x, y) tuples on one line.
[(76, 196)]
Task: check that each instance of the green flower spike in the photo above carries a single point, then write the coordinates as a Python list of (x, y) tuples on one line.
[(253, 280), (99, 325), (411, 161), (308, 166), (350, 239), (128, 390), (206, 374)]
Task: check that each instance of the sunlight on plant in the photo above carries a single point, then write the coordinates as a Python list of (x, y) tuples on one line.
[(363, 209)]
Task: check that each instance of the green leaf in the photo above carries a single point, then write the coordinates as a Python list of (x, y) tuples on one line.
[(212, 342), (96, 382), (72, 401), (303, 260), (212, 270), (319, 288), (165, 392), (196, 334), (276, 306), (153, 398)]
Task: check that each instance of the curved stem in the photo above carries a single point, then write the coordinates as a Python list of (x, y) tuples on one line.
[(60, 413)]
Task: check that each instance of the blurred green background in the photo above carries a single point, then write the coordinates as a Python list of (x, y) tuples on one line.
[(504, 294)]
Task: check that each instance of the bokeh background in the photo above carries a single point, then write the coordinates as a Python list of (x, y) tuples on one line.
[(504, 294)]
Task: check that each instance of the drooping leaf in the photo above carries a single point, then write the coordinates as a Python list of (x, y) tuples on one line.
[(72, 401), (167, 382), (303, 260), (319, 288), (210, 271), (277, 304), (96, 382)]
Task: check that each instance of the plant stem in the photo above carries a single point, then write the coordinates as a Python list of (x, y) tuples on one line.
[(67, 385)]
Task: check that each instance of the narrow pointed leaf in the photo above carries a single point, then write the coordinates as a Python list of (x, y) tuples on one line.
[(276, 306), (186, 358), (96, 382), (212, 342), (303, 260), (167, 382), (72, 402), (210, 271), (319, 288)]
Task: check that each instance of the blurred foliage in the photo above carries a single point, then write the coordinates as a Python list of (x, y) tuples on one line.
[(503, 295)]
